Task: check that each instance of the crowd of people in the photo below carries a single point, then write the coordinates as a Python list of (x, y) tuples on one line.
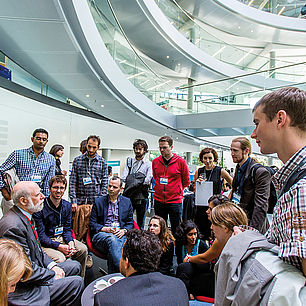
[(213, 244)]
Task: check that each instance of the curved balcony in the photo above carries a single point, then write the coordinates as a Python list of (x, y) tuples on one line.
[(248, 55)]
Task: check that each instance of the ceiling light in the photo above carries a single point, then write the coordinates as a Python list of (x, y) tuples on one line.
[(102, 105), (87, 96), (168, 56), (219, 51)]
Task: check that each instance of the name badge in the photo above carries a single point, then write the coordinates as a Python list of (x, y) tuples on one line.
[(36, 178), (236, 198), (164, 180), (58, 230), (87, 181), (115, 224)]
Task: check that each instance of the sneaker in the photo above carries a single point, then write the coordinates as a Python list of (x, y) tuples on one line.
[(89, 261)]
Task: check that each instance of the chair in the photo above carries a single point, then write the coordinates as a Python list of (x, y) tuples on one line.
[(93, 250), (205, 299)]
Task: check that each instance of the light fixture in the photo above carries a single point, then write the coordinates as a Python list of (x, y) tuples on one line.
[(87, 96), (102, 105), (219, 51), (167, 56)]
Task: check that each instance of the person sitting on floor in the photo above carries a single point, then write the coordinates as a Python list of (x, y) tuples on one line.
[(53, 224), (158, 227), (143, 286), (111, 217)]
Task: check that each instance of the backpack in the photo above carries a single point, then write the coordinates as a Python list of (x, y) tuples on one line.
[(273, 196)]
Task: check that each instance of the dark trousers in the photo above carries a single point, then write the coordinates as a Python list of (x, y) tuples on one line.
[(141, 207), (174, 210), (199, 279)]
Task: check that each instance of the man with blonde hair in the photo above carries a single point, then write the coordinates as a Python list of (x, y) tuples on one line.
[(251, 184)]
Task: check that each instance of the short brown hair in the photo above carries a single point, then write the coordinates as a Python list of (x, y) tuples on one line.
[(166, 139), (58, 179), (228, 215), (208, 150), (290, 99), (244, 143)]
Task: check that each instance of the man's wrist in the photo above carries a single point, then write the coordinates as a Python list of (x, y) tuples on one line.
[(124, 230)]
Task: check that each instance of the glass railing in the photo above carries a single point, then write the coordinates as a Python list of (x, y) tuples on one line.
[(245, 58), (211, 96), (136, 70), (289, 8), (21, 77)]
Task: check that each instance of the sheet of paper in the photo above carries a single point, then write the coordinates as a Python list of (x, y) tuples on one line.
[(204, 191)]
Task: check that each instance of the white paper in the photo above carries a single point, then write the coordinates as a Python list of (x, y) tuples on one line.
[(204, 190)]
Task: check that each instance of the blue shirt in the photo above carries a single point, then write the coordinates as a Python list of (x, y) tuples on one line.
[(112, 213), (27, 166), (241, 174), (83, 168)]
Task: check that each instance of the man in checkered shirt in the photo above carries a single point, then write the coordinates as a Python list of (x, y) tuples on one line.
[(32, 164), (89, 175), (280, 120)]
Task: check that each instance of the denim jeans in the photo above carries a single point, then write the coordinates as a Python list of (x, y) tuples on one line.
[(107, 243), (174, 210), (141, 207)]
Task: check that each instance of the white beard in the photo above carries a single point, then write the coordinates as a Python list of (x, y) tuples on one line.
[(35, 208)]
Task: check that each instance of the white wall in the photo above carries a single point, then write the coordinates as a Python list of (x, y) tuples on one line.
[(20, 116)]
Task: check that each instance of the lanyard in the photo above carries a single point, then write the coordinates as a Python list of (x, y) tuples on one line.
[(211, 172), (34, 230)]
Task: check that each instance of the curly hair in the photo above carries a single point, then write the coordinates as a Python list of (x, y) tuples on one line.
[(142, 143), (208, 150), (143, 250), (165, 235), (183, 229)]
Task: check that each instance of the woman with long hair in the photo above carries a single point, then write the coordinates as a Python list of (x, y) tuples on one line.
[(158, 227), (187, 241), (14, 266), (57, 151)]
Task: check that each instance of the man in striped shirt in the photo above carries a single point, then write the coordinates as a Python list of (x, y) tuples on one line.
[(280, 120)]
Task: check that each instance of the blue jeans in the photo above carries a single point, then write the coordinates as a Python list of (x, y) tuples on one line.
[(109, 244), (174, 210)]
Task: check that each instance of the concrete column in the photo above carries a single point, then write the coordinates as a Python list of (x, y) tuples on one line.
[(190, 96), (106, 154), (189, 158), (272, 65)]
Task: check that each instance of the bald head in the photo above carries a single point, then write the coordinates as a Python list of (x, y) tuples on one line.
[(27, 196)]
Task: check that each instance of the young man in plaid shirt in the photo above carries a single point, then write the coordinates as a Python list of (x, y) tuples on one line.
[(280, 120)]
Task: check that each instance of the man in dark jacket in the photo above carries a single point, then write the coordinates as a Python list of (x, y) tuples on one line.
[(172, 176), (51, 283), (250, 188), (53, 225), (111, 217), (143, 286)]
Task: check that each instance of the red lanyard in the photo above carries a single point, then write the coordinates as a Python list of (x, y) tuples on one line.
[(34, 230)]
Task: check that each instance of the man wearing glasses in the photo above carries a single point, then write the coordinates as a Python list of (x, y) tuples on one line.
[(53, 225), (32, 164)]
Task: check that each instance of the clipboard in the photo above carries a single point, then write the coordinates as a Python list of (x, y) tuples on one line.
[(204, 190)]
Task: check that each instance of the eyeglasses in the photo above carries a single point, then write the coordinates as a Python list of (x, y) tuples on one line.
[(58, 188), (40, 138)]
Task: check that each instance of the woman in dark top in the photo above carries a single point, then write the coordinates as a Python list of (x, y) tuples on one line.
[(211, 173), (58, 151), (158, 226), (188, 241), (197, 270)]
